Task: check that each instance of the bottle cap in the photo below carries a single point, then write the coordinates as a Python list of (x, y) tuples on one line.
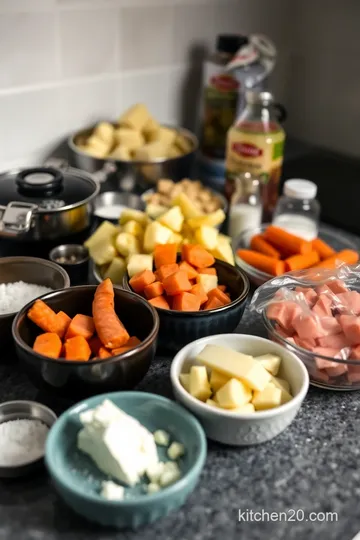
[(300, 189), (230, 43)]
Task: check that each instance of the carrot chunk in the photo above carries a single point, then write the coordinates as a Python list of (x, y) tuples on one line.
[(44, 317), (197, 256), (133, 342), (262, 262), (177, 283), (258, 243), (287, 241), (64, 321), (109, 328), (80, 325), (347, 256), (220, 295), (165, 271), (141, 280), (165, 254), (95, 344), (48, 344), (186, 302), (222, 288), (153, 290), (300, 262), (190, 270), (323, 249), (213, 303), (199, 291), (77, 348), (104, 353), (159, 302), (210, 271)]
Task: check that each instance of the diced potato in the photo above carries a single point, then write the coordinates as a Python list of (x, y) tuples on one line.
[(210, 220), (105, 232), (199, 384), (173, 219), (284, 387), (224, 252), (127, 244), (133, 215), (133, 227), (217, 380), (176, 450), (233, 394), (268, 398), (271, 362), (223, 238), (185, 380), (187, 232), (155, 210), (188, 209), (161, 437), (244, 409), (116, 270), (212, 403), (207, 237), (155, 234), (175, 238), (103, 253), (208, 281), (137, 263)]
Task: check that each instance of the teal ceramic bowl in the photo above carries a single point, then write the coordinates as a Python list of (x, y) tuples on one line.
[(78, 481)]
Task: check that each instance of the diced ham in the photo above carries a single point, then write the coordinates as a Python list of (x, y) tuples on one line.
[(319, 375), (349, 301), (290, 340), (330, 326), (351, 327), (307, 327), (355, 354), (337, 286), (337, 370), (285, 333), (323, 289), (353, 374), (338, 341), (321, 363), (284, 313), (308, 344), (322, 308), (309, 294)]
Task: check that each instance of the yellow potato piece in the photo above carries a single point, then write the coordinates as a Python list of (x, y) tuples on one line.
[(211, 220), (199, 386), (154, 211), (105, 132), (233, 394), (173, 219), (133, 215), (127, 244), (217, 380), (130, 138), (207, 237), (224, 252), (138, 263), (185, 380), (155, 234), (133, 227), (268, 398), (208, 282), (164, 135), (105, 232), (271, 362), (102, 253), (116, 270), (135, 117), (188, 209)]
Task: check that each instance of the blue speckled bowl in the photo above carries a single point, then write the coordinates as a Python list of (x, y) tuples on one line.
[(78, 480)]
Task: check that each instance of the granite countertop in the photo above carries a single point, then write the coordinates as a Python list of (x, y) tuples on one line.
[(311, 467)]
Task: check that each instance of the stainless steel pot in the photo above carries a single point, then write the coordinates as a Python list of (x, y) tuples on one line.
[(133, 173), (44, 203)]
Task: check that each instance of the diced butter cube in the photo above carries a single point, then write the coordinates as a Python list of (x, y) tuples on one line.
[(217, 380), (155, 234), (161, 437), (155, 471), (199, 386), (212, 403), (233, 394), (244, 409), (112, 491), (153, 488), (235, 364), (268, 398), (284, 388), (208, 281), (173, 219), (138, 263), (271, 362), (207, 236), (185, 380), (170, 475), (176, 450)]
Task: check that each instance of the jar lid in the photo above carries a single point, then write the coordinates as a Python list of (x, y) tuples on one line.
[(300, 189), (230, 43)]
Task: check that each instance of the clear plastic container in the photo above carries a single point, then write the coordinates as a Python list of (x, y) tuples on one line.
[(297, 211)]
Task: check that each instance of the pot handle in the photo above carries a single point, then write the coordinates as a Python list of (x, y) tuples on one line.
[(16, 218)]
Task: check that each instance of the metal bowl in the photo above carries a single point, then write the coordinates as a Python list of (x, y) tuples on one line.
[(110, 199), (141, 173), (15, 410), (77, 270)]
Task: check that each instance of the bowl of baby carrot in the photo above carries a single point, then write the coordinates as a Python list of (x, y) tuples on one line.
[(86, 340), (269, 251)]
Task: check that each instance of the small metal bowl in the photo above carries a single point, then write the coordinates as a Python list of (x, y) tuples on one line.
[(29, 410), (114, 199), (78, 270)]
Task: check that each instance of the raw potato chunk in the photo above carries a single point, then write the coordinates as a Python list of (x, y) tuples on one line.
[(151, 151), (164, 135), (199, 384), (127, 244), (130, 138), (233, 394), (120, 152), (154, 211), (155, 233), (224, 252), (150, 127), (176, 239), (97, 146), (174, 152), (105, 232), (103, 253), (183, 143), (223, 238), (176, 450), (105, 132), (284, 387), (217, 380), (185, 380), (188, 209), (207, 236), (133, 215), (173, 219), (244, 409), (116, 270), (208, 281), (138, 263), (136, 117), (134, 228), (268, 398), (210, 220), (161, 437), (271, 362), (212, 403)]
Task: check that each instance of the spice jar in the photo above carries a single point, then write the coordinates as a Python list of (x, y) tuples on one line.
[(245, 208)]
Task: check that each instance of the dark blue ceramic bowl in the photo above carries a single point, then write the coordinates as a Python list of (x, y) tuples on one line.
[(178, 328)]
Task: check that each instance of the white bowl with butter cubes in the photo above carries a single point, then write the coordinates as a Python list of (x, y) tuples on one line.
[(244, 389)]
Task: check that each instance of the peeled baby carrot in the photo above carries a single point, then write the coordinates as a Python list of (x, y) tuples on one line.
[(262, 262), (186, 301), (300, 262), (213, 303), (323, 249), (141, 280), (104, 353), (177, 283), (166, 270), (109, 328), (220, 295), (44, 317), (210, 271), (287, 241), (48, 344), (190, 270), (197, 256), (258, 243), (347, 256), (95, 344), (77, 348), (80, 325), (199, 291), (160, 302), (153, 290), (64, 321), (165, 254)]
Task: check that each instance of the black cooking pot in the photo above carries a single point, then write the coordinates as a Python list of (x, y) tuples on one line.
[(44, 203)]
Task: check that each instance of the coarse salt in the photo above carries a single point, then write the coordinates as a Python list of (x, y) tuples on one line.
[(21, 441), (13, 296)]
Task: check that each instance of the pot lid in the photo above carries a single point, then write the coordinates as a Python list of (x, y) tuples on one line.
[(48, 188)]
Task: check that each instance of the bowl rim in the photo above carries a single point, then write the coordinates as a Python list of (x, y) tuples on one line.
[(81, 261), (124, 356), (40, 262), (216, 193), (181, 356), (173, 313), (195, 468)]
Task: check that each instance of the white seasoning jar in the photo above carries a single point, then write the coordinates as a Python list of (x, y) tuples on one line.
[(245, 209), (297, 211)]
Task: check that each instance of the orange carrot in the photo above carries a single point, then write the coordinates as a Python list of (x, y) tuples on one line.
[(95, 344), (286, 241), (104, 353), (186, 301), (185, 250), (262, 262), (210, 271), (190, 270), (197, 256), (323, 249), (153, 290), (77, 348), (258, 243), (48, 344), (347, 256), (199, 291), (81, 325), (165, 254), (140, 280), (109, 328), (133, 342), (166, 270), (213, 303), (159, 302), (64, 321), (177, 283), (300, 262), (220, 295), (222, 288), (44, 317)]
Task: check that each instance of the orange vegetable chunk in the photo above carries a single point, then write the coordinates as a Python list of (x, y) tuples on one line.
[(213, 303), (165, 254), (199, 291), (347, 256), (44, 317), (209, 271), (81, 325), (109, 328), (48, 344), (104, 353), (165, 271), (95, 345), (64, 321), (153, 290), (286, 241), (323, 249), (141, 280), (220, 295), (300, 262), (159, 302), (262, 262), (190, 270), (77, 348), (186, 301), (258, 243), (197, 256), (177, 283), (222, 288)]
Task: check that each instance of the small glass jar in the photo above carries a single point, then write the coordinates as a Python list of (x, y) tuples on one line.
[(245, 208), (297, 210)]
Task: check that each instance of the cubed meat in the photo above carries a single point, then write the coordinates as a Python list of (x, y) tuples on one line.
[(355, 354), (353, 373), (284, 313), (307, 326), (349, 302), (330, 326), (337, 286), (308, 344), (351, 328), (322, 308), (338, 341)]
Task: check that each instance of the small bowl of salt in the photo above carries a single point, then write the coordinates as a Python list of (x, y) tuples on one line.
[(24, 427)]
